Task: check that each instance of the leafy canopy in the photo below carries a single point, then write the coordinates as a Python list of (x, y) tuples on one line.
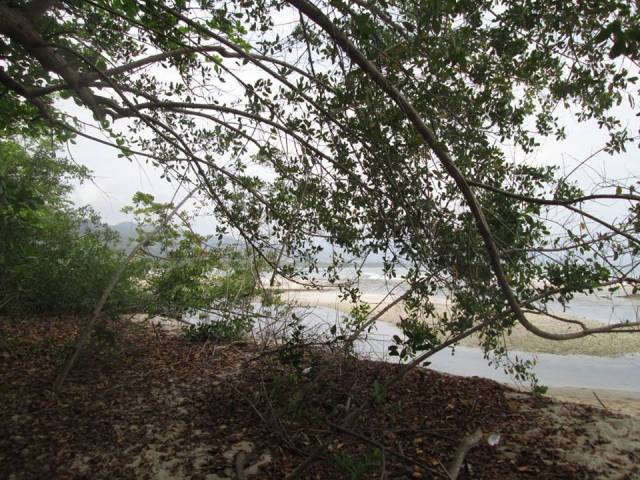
[(376, 126)]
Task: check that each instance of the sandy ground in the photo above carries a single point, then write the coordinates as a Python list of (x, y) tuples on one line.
[(158, 323), (173, 414), (520, 339), (606, 443), (617, 401)]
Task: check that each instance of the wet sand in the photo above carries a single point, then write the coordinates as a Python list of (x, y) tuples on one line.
[(520, 339)]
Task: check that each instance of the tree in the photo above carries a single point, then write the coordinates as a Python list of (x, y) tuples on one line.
[(377, 126), (190, 273), (54, 257)]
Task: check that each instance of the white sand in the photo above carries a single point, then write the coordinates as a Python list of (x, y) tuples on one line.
[(606, 443)]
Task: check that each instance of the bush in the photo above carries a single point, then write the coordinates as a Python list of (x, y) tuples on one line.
[(220, 330), (193, 274), (53, 257)]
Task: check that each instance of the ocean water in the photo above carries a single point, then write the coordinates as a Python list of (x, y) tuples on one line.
[(602, 306)]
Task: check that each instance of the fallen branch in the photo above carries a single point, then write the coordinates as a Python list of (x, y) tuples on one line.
[(375, 443), (466, 444), (241, 460)]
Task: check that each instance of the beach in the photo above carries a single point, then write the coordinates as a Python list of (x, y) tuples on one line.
[(613, 393), (606, 345)]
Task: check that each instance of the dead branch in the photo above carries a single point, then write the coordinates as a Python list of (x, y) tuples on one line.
[(240, 461), (375, 443), (466, 444), (600, 401)]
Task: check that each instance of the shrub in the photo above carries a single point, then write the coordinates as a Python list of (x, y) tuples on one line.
[(220, 330), (53, 257)]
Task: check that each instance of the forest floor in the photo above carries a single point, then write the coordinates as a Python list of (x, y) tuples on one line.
[(145, 403)]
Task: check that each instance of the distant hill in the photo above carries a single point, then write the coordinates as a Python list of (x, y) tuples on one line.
[(127, 232)]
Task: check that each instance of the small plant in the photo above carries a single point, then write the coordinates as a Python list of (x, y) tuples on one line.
[(379, 392), (220, 330), (418, 336), (106, 339), (287, 396), (539, 390), (293, 350), (521, 370), (357, 467)]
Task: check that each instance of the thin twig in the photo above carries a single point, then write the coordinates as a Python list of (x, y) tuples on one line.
[(600, 401)]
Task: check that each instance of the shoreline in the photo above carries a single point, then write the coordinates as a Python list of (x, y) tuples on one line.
[(605, 345), (615, 400), (611, 345)]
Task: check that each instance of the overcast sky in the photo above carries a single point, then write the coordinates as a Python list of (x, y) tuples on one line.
[(118, 179)]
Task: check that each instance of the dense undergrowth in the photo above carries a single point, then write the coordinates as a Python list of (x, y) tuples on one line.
[(56, 258)]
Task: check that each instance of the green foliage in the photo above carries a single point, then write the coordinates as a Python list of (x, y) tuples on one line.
[(418, 336), (189, 275), (519, 369), (294, 348), (539, 390), (340, 158), (287, 395), (53, 257), (379, 392), (58, 258), (219, 330)]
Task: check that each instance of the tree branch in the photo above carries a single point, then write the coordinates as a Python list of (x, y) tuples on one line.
[(85, 334)]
